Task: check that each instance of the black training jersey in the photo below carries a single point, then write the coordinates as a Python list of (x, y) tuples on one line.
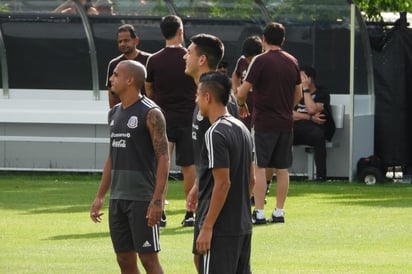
[(131, 152), (228, 145), (200, 124)]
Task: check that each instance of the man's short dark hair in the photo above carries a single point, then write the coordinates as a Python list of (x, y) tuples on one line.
[(170, 25), (217, 84), (252, 46), (210, 46), (127, 28), (223, 64), (309, 71), (274, 33)]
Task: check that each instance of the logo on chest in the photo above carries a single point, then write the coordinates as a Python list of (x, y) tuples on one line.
[(133, 122)]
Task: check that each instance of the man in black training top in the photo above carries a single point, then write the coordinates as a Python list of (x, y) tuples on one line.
[(136, 172), (203, 55), (223, 238)]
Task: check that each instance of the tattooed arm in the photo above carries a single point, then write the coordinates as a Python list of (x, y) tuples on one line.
[(156, 125)]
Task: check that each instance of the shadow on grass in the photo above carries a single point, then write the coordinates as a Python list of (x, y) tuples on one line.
[(352, 193), (59, 210), (78, 236)]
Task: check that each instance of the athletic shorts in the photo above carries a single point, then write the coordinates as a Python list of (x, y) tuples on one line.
[(128, 227), (226, 255), (182, 137), (273, 149)]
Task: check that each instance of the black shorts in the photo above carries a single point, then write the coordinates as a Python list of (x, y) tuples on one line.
[(273, 149), (226, 255), (128, 227), (182, 137)]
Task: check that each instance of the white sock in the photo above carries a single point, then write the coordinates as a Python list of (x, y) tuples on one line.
[(278, 212), (260, 213)]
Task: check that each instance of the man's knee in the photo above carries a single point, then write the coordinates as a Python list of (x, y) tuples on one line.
[(127, 261), (150, 262)]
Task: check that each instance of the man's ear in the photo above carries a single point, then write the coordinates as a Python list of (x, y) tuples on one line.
[(202, 60), (137, 40)]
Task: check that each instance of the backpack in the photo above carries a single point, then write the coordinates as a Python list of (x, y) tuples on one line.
[(330, 123)]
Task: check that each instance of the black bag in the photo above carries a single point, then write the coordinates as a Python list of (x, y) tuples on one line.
[(330, 123)]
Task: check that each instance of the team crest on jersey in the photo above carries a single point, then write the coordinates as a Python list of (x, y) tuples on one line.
[(199, 117), (133, 122)]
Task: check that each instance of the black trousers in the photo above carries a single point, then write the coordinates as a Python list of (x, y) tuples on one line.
[(308, 133)]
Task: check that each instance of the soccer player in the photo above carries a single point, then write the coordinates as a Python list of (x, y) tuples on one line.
[(203, 55), (223, 238), (127, 42), (136, 172), (275, 78), (174, 91)]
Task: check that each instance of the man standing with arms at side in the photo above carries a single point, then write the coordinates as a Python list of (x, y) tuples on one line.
[(223, 213), (136, 172), (275, 78), (174, 91), (127, 41), (203, 55)]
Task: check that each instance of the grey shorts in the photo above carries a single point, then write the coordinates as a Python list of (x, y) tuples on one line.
[(273, 149), (128, 227)]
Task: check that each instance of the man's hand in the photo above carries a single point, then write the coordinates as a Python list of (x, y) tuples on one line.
[(305, 80), (204, 240), (244, 111), (192, 198), (318, 118), (154, 212), (95, 213)]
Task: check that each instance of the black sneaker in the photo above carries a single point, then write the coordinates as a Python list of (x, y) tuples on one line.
[(257, 221), (189, 219), (162, 222), (274, 219)]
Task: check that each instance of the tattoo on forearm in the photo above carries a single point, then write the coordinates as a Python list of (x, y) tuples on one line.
[(157, 127)]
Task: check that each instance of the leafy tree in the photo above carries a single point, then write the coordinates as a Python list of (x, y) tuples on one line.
[(373, 8), (4, 7)]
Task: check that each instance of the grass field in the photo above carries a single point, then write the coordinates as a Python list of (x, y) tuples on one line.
[(334, 227)]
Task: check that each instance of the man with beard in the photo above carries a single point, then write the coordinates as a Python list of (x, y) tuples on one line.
[(127, 41)]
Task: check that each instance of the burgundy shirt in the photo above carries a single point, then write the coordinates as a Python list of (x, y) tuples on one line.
[(274, 75), (173, 90)]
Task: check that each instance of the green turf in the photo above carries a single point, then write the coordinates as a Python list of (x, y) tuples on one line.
[(334, 227)]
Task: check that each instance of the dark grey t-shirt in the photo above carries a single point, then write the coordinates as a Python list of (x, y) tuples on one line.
[(228, 145), (131, 152)]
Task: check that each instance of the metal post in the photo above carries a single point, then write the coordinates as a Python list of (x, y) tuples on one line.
[(351, 88), (4, 68), (92, 49)]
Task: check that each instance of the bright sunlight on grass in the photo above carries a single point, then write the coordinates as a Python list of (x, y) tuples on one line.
[(334, 227)]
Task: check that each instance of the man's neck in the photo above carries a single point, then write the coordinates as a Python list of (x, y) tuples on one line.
[(216, 112), (132, 55), (200, 72), (130, 98), (272, 47), (174, 42)]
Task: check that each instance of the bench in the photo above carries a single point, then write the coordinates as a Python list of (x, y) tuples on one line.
[(338, 113)]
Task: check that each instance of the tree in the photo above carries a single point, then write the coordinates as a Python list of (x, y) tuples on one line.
[(373, 8)]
